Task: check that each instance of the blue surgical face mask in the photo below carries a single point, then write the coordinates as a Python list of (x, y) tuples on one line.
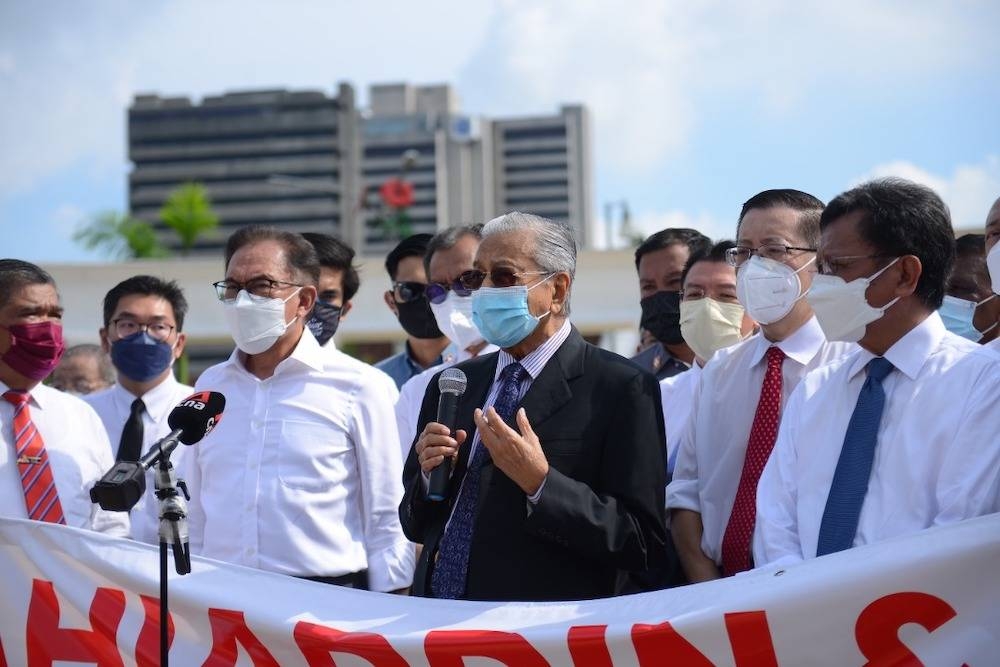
[(957, 315), (140, 357), (501, 313)]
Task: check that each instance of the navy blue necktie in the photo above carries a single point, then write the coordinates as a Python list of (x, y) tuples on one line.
[(854, 468), (448, 578)]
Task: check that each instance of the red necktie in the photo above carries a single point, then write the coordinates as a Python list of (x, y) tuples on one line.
[(40, 495), (736, 541)]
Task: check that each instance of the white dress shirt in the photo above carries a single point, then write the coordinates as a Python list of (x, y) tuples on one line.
[(994, 345), (302, 475), (714, 443), (113, 405), (677, 396), (937, 460), (79, 455), (411, 394)]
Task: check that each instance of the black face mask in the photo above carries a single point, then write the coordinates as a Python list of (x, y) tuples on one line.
[(661, 316), (417, 318), (324, 321)]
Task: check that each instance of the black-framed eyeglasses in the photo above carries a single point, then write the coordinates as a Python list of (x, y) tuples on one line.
[(438, 292), (834, 265), (474, 279), (407, 291), (779, 252), (227, 290), (125, 327)]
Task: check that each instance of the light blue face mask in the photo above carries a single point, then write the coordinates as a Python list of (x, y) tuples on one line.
[(501, 313), (957, 315)]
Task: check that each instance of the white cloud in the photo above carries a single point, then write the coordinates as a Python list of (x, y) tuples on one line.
[(969, 190), (647, 222)]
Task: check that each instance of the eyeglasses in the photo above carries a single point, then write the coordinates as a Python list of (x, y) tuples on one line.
[(473, 280), (125, 327), (227, 290), (438, 292), (834, 265), (407, 291), (779, 252)]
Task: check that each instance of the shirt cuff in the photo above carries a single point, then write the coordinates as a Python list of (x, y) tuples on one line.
[(536, 496), (391, 568)]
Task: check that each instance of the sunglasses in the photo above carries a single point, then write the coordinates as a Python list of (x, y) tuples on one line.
[(473, 280), (438, 292), (405, 292)]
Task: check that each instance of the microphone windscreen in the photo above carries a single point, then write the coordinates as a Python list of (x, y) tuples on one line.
[(197, 415), (452, 381)]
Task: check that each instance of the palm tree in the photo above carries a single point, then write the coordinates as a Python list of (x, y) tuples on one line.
[(120, 236), (188, 212)]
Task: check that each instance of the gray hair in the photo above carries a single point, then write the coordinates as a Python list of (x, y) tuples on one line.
[(448, 238), (555, 247)]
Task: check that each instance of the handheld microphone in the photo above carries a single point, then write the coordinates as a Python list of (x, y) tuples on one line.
[(121, 487), (451, 384)]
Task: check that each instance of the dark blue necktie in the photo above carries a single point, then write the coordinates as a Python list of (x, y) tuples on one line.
[(850, 480), (448, 578)]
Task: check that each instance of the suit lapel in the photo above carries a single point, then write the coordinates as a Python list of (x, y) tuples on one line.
[(480, 379), (550, 390)]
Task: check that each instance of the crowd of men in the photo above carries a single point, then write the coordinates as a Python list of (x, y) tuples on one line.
[(825, 380)]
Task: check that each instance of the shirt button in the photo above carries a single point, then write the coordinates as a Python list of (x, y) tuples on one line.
[(249, 551)]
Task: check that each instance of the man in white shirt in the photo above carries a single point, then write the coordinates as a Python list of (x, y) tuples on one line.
[(338, 283), (450, 253), (53, 448), (711, 318), (900, 435), (302, 474), (142, 333), (742, 389)]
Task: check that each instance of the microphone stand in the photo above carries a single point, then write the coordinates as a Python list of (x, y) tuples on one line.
[(174, 532)]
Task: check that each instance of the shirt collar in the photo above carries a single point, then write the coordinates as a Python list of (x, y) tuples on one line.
[(804, 344), (159, 400), (910, 352), (535, 361), (39, 395), (307, 352)]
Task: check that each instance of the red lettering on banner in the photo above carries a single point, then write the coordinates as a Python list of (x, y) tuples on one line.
[(750, 638), (147, 647), (316, 642), (228, 629), (3, 656), (448, 648), (654, 643), (47, 642), (877, 629), (587, 646)]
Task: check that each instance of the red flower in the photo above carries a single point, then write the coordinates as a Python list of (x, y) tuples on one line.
[(397, 193)]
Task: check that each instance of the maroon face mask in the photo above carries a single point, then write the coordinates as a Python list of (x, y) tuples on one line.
[(35, 349)]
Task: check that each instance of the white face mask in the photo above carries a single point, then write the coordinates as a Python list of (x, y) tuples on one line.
[(709, 325), (454, 319), (256, 323), (842, 308), (993, 266), (768, 289)]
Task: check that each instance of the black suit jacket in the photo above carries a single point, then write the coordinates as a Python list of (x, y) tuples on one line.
[(600, 519)]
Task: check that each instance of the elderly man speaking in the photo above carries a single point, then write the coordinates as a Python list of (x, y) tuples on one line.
[(558, 452)]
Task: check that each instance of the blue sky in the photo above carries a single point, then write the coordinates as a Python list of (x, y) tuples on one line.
[(696, 106)]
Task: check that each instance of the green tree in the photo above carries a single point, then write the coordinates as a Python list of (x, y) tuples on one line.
[(120, 236), (188, 212)]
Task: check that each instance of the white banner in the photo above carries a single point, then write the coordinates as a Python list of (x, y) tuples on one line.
[(932, 598)]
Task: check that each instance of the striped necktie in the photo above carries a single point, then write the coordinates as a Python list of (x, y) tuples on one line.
[(40, 495)]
